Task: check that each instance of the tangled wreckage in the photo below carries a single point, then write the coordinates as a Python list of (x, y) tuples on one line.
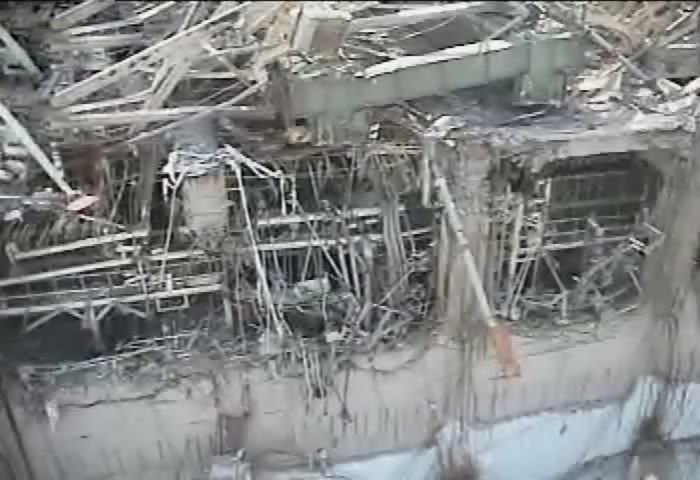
[(214, 212)]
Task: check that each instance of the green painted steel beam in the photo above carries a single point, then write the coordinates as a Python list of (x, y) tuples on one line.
[(543, 60)]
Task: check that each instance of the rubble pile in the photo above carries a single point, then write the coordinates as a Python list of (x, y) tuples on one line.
[(272, 162), (296, 188)]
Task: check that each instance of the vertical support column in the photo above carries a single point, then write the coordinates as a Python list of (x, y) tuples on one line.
[(92, 323), (429, 151), (149, 171), (668, 269), (225, 297), (514, 255), (546, 80), (476, 160), (443, 268), (204, 196), (472, 171), (228, 311)]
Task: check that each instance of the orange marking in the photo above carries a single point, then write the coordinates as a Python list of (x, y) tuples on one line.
[(505, 354)]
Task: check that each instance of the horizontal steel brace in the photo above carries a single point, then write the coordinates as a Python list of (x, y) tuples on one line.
[(34, 309)]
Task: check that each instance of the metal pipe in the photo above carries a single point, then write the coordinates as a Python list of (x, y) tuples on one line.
[(463, 245)]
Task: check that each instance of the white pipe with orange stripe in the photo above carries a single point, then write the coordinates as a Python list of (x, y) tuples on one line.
[(498, 333)]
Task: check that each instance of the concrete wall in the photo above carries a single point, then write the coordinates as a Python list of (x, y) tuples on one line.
[(11, 464), (561, 445), (169, 426), (121, 429)]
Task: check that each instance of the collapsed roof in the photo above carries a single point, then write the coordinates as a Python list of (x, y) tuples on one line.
[(231, 177)]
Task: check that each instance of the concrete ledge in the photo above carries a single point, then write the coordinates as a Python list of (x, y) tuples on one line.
[(389, 400)]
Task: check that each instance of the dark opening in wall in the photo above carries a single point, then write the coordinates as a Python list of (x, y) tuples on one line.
[(568, 243)]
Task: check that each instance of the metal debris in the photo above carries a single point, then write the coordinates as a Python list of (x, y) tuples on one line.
[(307, 174)]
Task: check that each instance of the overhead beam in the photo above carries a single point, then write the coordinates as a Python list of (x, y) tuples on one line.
[(422, 14), (438, 73), (110, 119)]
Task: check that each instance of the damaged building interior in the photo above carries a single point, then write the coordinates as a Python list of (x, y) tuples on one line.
[(291, 184)]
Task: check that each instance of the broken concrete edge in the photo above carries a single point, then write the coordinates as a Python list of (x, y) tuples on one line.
[(541, 145)]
